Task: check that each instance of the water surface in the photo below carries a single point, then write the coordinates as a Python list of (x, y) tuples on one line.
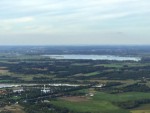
[(95, 57)]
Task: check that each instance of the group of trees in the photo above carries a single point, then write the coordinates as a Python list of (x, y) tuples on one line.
[(59, 68), (66, 68), (132, 104), (124, 75), (32, 99), (137, 87), (41, 107)]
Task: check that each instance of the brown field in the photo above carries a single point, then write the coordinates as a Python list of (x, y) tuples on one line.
[(142, 109), (2, 92), (3, 71), (13, 109), (75, 98)]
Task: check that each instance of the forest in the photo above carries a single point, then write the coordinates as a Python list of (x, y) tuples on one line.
[(33, 83)]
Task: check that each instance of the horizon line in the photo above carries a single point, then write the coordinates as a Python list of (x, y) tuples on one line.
[(76, 45)]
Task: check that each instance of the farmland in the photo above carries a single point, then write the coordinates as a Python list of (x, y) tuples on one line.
[(46, 85)]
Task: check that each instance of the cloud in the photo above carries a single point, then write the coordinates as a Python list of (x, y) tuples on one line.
[(74, 17), (19, 20), (9, 25)]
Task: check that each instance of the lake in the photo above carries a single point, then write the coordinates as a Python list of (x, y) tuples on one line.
[(95, 57), (19, 85)]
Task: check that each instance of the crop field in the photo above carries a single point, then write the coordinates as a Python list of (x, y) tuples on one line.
[(12, 109), (76, 99), (142, 109), (90, 106), (100, 102), (121, 97), (91, 86)]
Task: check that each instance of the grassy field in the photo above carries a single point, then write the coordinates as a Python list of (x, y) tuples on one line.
[(12, 109), (119, 65), (142, 109), (90, 106), (80, 64), (121, 97), (101, 102), (91, 74)]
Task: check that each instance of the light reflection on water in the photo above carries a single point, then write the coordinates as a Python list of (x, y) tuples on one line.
[(94, 57)]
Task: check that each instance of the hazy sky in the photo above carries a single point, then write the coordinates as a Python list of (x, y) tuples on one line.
[(60, 22)]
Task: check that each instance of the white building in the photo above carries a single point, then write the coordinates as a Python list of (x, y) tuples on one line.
[(18, 90), (44, 90), (99, 86)]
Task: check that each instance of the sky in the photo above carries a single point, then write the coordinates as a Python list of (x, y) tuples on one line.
[(74, 22)]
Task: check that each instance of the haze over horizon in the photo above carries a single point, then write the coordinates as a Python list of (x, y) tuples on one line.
[(74, 22)]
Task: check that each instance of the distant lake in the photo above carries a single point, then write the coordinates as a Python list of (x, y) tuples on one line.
[(8, 85), (94, 57), (20, 85)]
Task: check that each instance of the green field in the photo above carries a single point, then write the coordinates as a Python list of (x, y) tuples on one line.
[(91, 74), (102, 102), (121, 97), (142, 109), (119, 65), (90, 106)]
